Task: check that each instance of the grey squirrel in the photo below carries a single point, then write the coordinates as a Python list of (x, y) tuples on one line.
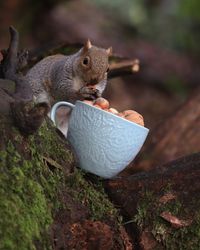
[(69, 78)]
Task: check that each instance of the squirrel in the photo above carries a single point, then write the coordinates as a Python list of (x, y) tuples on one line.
[(82, 75)]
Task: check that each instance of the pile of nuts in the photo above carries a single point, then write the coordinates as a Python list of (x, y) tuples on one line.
[(129, 115)]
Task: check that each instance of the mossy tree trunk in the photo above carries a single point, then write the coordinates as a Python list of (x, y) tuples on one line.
[(29, 182), (45, 202), (163, 205)]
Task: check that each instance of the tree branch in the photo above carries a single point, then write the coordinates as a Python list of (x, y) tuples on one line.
[(124, 67), (9, 62), (27, 116)]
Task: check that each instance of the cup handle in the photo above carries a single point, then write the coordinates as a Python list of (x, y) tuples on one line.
[(56, 106)]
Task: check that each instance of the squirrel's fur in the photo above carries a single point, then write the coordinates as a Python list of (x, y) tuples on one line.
[(67, 78)]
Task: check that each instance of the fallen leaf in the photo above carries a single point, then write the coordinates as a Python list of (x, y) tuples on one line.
[(174, 221), (167, 197)]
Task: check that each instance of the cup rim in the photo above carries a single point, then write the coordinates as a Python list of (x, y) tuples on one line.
[(116, 116)]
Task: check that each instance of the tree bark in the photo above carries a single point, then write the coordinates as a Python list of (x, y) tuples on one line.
[(163, 204), (177, 136)]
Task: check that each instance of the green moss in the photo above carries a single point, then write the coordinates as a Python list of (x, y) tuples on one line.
[(48, 145), (93, 196), (23, 205), (142, 209), (148, 216), (28, 189)]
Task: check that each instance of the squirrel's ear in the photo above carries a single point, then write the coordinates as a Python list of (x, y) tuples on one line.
[(109, 51), (87, 45)]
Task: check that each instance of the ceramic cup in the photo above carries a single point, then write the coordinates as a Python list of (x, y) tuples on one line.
[(104, 143)]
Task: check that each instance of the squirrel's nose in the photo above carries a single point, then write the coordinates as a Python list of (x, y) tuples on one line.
[(94, 81)]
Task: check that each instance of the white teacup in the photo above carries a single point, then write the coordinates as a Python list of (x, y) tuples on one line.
[(104, 143)]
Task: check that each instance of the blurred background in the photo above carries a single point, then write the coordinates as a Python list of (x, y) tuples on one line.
[(163, 34)]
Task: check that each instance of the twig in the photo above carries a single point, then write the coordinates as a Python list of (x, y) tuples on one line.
[(9, 66), (9, 62), (126, 67)]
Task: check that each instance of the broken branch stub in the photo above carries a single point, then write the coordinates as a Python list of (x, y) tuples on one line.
[(27, 115)]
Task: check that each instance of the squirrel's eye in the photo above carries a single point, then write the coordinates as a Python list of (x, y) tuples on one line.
[(86, 61), (107, 70)]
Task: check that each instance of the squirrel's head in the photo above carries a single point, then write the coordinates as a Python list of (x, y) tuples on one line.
[(92, 64)]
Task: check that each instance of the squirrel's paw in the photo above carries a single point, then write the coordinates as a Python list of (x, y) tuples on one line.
[(89, 93)]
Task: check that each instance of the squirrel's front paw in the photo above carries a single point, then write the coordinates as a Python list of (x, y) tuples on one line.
[(89, 93)]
